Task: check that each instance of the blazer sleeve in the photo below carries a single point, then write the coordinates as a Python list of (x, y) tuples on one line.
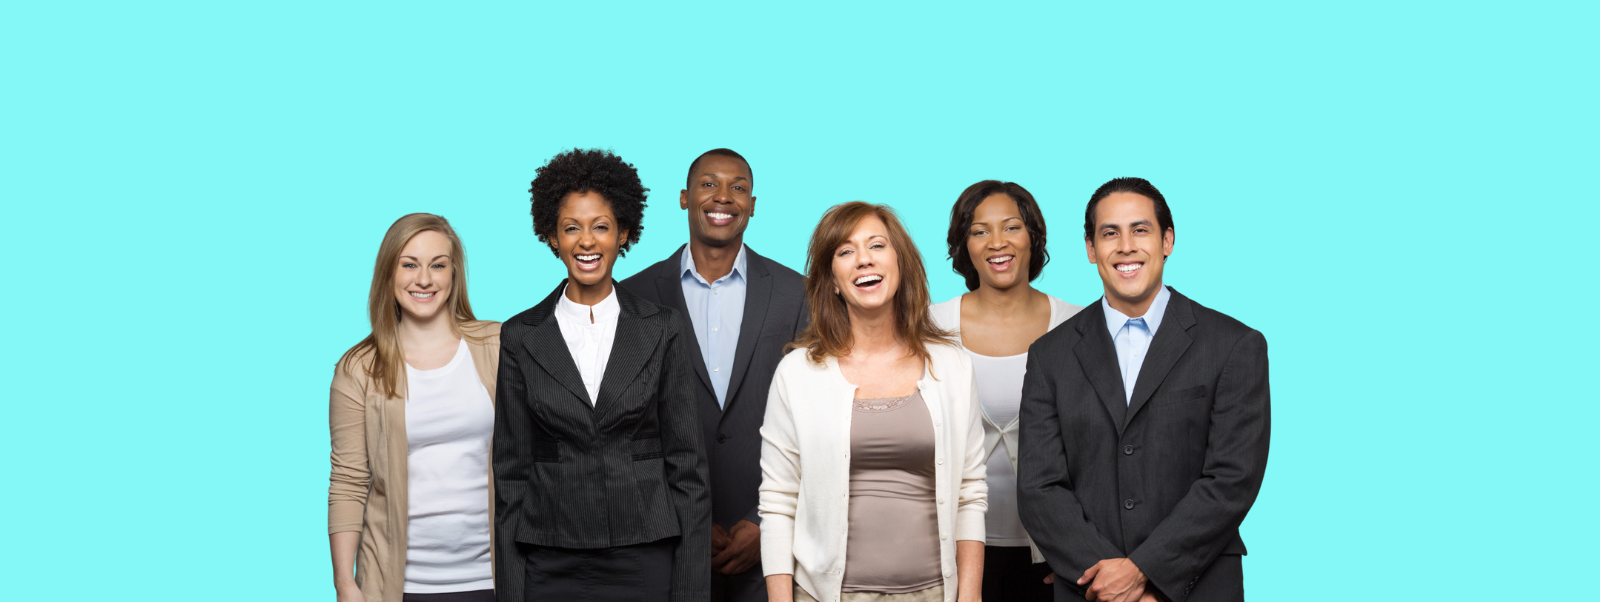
[(351, 476), (1049, 508), (512, 425), (685, 462), (974, 502), (780, 479), (1197, 529)]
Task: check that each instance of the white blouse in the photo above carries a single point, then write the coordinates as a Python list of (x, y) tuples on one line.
[(589, 340)]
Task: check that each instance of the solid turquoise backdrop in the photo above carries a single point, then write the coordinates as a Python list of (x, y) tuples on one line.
[(1399, 195)]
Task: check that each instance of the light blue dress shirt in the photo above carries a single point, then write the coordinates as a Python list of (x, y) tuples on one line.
[(1133, 335), (717, 310)]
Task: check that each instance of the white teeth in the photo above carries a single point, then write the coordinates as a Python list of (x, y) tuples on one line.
[(866, 279), (719, 216), (423, 295), (1001, 259), (1129, 267), (588, 258)]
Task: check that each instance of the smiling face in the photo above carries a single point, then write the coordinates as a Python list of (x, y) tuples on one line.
[(866, 269), (1130, 250), (422, 276), (587, 240), (998, 243), (718, 200)]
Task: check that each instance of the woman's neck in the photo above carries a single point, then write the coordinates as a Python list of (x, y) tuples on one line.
[(876, 331), (418, 333), (1006, 303), (588, 294)]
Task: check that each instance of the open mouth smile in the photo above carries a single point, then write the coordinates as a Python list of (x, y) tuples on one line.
[(718, 218), (423, 297), (587, 262), (1001, 263), (1129, 270), (868, 282)]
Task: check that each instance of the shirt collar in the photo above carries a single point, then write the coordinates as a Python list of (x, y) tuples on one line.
[(1152, 317), (606, 310), (686, 265)]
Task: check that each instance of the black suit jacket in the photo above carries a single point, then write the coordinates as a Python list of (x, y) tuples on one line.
[(628, 469), (775, 311), (1163, 480)]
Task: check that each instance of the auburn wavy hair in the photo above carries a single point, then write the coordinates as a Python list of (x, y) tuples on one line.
[(380, 353), (829, 334)]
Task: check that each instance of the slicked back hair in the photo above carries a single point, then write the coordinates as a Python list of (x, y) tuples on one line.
[(829, 334), (723, 152), (961, 226)]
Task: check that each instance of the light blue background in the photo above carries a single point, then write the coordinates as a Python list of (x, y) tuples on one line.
[(1400, 196)]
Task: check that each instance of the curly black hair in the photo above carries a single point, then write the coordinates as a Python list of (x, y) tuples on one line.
[(593, 170)]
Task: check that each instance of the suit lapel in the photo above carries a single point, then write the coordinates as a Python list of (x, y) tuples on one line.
[(549, 349), (669, 289), (634, 343), (1097, 354), (1172, 339), (757, 296)]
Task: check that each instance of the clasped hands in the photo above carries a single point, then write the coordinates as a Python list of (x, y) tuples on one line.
[(735, 550), (1114, 580)]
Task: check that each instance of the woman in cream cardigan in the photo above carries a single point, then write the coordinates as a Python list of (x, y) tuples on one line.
[(411, 414), (872, 470), (997, 243)]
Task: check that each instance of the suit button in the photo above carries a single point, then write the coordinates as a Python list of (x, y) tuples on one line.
[(1128, 504), (722, 438), (1127, 450)]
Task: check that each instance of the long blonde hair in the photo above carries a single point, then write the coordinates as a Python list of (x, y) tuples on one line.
[(829, 334), (380, 354)]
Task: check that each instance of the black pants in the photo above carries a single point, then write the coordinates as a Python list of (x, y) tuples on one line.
[(749, 586), (636, 573), (1009, 575), (482, 595)]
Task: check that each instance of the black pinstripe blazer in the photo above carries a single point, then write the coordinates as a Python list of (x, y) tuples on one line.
[(628, 469), (1163, 480), (774, 313)]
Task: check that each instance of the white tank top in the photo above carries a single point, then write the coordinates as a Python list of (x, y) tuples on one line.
[(449, 420)]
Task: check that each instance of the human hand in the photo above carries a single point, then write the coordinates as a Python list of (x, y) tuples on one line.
[(1115, 580), (350, 594), (1049, 579), (1149, 596), (741, 552), (719, 539)]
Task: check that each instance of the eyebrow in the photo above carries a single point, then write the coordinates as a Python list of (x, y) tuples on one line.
[(1142, 222), (712, 175), (446, 256)]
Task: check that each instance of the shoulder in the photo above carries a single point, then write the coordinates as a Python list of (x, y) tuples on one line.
[(947, 315), (1061, 311), (782, 276), (483, 329), (797, 364), (1067, 334), (355, 364), (947, 356), (641, 283), (1218, 324)]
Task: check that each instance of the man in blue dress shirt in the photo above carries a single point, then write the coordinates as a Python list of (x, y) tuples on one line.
[(1144, 425), (741, 309)]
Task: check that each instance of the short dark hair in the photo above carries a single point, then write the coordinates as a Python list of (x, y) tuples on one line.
[(593, 170), (961, 223), (1139, 186), (721, 152)]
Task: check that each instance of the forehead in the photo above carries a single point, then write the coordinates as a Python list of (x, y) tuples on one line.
[(868, 227), (584, 206), (1122, 208), (427, 242), (721, 165), (996, 206)]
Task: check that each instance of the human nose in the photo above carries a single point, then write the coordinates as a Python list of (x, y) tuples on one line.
[(425, 278)]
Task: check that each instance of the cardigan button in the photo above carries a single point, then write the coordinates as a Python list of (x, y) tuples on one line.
[(939, 461), (943, 537), (941, 499)]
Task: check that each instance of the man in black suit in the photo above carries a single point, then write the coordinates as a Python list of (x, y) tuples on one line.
[(1145, 423), (740, 309)]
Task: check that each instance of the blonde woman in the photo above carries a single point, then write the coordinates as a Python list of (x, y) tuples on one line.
[(871, 461), (411, 414)]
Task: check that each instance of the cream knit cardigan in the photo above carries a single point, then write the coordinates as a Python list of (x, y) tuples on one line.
[(804, 515)]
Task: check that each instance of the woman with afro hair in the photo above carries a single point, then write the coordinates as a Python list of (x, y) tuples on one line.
[(599, 469)]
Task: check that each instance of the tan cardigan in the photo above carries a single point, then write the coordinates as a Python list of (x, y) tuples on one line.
[(367, 486)]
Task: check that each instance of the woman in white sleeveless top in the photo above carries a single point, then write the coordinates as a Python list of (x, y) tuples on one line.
[(997, 242)]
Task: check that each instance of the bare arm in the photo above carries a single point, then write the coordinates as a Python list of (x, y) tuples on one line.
[(969, 571), (780, 588), (343, 545)]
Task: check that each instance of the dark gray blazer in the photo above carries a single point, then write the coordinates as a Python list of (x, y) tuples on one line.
[(775, 311), (1164, 480), (629, 469)]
